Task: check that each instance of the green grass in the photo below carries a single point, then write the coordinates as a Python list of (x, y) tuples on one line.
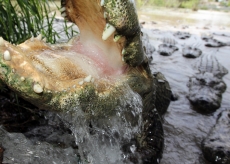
[(159, 3), (190, 4), (23, 19)]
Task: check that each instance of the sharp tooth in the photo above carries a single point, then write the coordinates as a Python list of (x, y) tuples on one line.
[(102, 2), (105, 15), (62, 9), (22, 78), (1, 41), (108, 31), (39, 37), (32, 39), (37, 88), (88, 79), (6, 55), (81, 83), (123, 52), (122, 59)]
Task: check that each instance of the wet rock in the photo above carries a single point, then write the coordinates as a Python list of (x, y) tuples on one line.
[(182, 35), (19, 149), (215, 146)]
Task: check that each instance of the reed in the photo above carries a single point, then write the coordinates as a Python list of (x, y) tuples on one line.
[(23, 19)]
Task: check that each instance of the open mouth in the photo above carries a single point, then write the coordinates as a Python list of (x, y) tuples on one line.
[(93, 70), (107, 47), (107, 55)]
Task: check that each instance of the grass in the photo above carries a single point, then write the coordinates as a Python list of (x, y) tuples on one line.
[(160, 3), (190, 4), (187, 4), (23, 19)]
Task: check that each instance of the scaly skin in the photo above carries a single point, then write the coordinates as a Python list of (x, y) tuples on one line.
[(47, 76), (207, 86)]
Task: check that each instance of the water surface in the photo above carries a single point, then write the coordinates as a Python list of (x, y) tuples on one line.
[(184, 127)]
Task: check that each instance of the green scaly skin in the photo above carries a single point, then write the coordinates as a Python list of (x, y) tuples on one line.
[(122, 15)]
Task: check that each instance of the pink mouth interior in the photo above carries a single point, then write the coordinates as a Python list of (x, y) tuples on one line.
[(105, 54), (107, 61)]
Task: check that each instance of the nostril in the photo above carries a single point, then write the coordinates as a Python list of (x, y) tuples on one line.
[(203, 101)]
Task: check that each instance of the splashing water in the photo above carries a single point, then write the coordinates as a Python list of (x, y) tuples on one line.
[(98, 139), (101, 140)]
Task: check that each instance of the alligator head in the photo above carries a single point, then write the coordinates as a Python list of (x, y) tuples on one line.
[(92, 70)]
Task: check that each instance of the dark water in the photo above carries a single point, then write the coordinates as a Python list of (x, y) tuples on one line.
[(184, 127)]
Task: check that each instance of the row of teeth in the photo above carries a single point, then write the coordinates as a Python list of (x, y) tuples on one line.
[(87, 80), (39, 89), (7, 56)]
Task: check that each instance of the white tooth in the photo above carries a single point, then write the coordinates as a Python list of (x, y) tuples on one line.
[(1, 41), (108, 31), (6, 55), (102, 2), (22, 78), (88, 79), (123, 51), (63, 15), (62, 9), (32, 39), (81, 82), (105, 15), (39, 37), (122, 59), (37, 88)]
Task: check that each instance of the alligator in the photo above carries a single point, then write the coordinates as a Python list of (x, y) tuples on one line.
[(211, 42), (182, 35), (207, 86), (167, 48), (93, 73), (215, 146), (191, 51)]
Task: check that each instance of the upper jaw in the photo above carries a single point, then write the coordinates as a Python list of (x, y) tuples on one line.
[(49, 68), (107, 20)]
